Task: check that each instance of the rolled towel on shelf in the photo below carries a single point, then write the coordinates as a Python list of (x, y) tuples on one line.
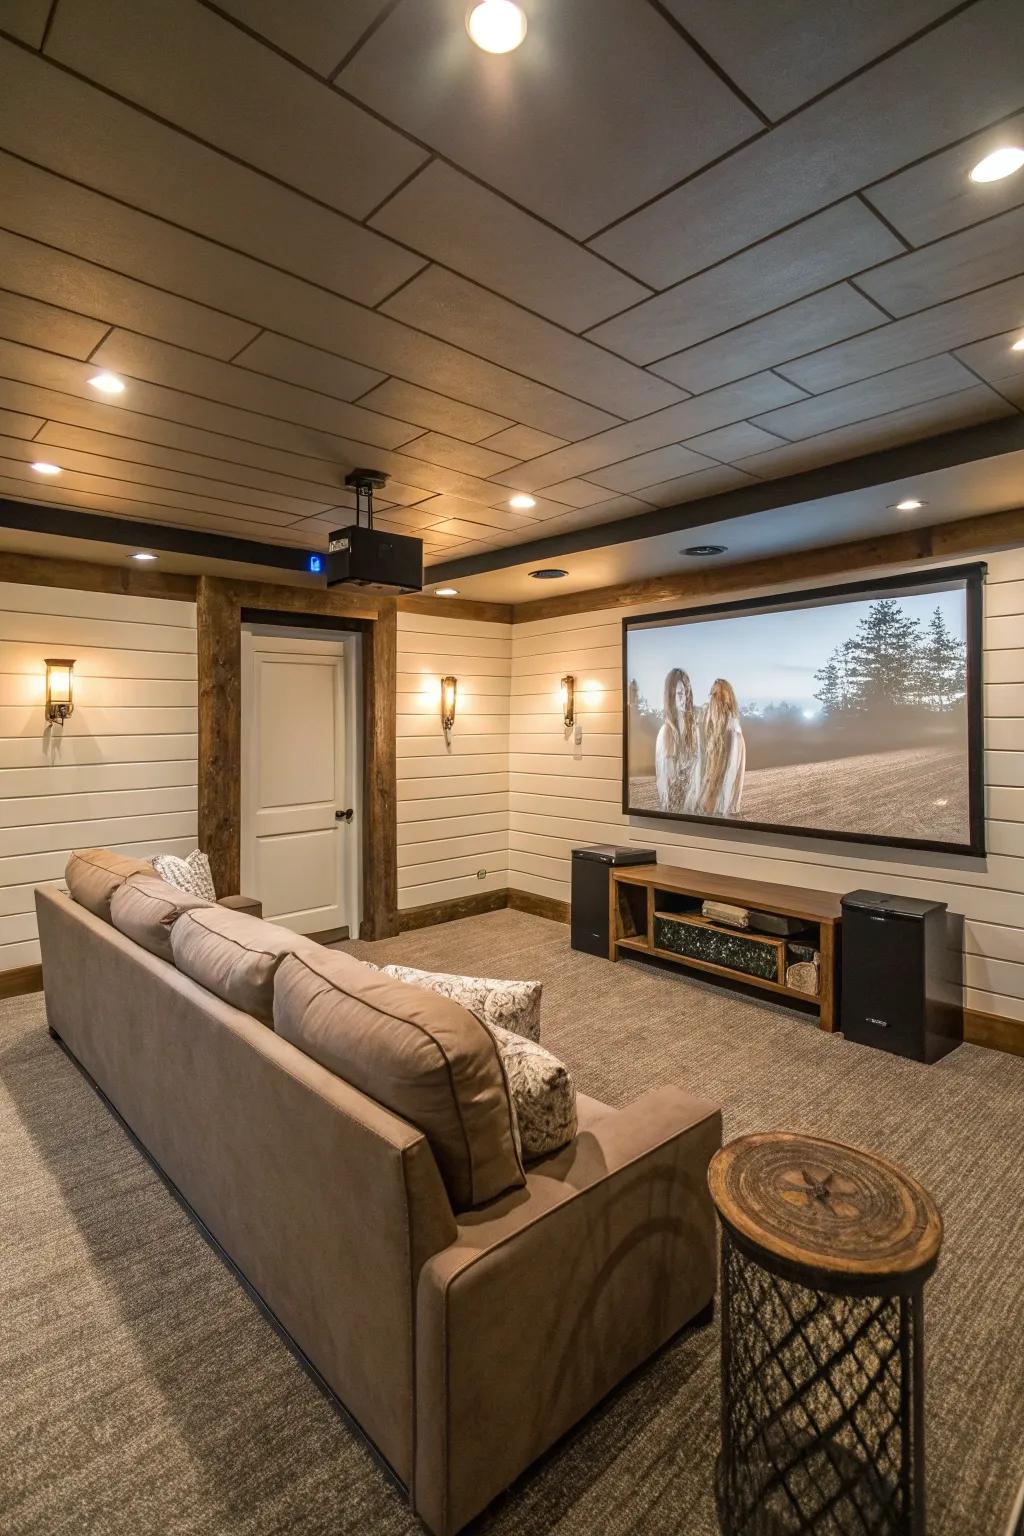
[(722, 912)]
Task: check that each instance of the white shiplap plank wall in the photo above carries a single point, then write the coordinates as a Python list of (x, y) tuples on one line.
[(561, 795), (121, 772), (452, 801)]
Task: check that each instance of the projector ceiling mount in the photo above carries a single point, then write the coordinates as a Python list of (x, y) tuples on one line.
[(364, 482)]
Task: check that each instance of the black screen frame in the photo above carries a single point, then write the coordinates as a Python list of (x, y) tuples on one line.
[(973, 576)]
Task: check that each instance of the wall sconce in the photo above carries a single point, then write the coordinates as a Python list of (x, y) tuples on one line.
[(449, 689), (569, 702), (59, 690)]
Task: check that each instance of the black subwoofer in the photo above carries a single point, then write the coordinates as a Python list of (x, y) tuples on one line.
[(589, 926), (902, 987)]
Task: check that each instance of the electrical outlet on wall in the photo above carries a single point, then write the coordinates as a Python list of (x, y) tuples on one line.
[(481, 874)]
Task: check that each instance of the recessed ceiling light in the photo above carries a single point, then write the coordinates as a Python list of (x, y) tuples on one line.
[(1018, 346), (446, 591), (1000, 163), (548, 573), (45, 469), (496, 26), (142, 555), (107, 384), (908, 504), (704, 549), (522, 502)]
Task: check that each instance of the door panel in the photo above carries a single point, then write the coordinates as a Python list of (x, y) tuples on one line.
[(298, 857)]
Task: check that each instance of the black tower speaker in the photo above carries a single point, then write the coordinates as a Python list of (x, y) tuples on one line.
[(589, 926), (902, 986)]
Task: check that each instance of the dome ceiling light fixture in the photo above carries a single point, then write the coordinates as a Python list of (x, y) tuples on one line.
[(702, 550), (521, 502), (1000, 163), (548, 573), (496, 26)]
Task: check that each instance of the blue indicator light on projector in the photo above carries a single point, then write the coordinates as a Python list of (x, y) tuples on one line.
[(316, 564)]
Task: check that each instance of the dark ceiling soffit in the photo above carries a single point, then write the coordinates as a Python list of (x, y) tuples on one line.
[(961, 447), (69, 523)]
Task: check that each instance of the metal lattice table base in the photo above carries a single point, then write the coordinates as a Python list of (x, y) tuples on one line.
[(816, 1432)]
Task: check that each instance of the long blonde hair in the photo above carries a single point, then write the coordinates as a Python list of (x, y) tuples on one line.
[(720, 710), (684, 728)]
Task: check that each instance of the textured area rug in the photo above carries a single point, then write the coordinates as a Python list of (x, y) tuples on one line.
[(144, 1393)]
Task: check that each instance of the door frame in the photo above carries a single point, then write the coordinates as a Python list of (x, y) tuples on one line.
[(348, 644)]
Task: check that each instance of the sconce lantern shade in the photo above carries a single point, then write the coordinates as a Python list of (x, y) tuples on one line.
[(449, 691), (569, 702), (59, 689)]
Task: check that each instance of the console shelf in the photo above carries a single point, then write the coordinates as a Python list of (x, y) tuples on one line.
[(640, 893)]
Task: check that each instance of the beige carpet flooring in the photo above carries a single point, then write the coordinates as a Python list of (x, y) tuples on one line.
[(143, 1394)]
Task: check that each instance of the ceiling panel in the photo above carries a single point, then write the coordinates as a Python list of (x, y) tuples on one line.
[(524, 442), (911, 385), (467, 227), (945, 414), (817, 321), (142, 358), (439, 413), (458, 311), (736, 442), (467, 457), (573, 141), (782, 54), (49, 208), (936, 197), (715, 409), (16, 424), (986, 253), (26, 19), (940, 88), (318, 32), (995, 359), (58, 278), (831, 245), (652, 468), (575, 493), (309, 367), (42, 325), (917, 336), (73, 128), (442, 508), (194, 69), (708, 482)]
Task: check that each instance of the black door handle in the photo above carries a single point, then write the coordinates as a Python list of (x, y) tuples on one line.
[(344, 815)]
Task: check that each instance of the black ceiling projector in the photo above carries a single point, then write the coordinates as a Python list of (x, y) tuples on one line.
[(366, 557)]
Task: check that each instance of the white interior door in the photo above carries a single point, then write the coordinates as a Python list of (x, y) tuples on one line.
[(300, 806)]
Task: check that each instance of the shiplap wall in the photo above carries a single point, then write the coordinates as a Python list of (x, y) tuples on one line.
[(121, 773), (452, 801), (561, 795)]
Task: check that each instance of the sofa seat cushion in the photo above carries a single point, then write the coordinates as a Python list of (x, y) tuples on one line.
[(513, 1005), (234, 955), (94, 874), (422, 1056), (146, 908), (543, 1094)]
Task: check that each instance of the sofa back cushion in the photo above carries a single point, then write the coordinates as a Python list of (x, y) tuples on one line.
[(146, 908), (422, 1056), (94, 874), (233, 955)]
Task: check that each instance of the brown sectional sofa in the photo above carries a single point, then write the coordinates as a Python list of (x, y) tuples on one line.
[(463, 1342)]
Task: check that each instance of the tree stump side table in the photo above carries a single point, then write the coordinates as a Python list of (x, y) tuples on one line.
[(825, 1254)]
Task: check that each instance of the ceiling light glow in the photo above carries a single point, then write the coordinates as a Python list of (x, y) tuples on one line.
[(1018, 346), (107, 384), (446, 591), (521, 502), (1000, 163), (141, 554), (45, 469), (496, 26), (908, 504)]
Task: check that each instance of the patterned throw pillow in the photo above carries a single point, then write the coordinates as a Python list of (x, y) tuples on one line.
[(191, 874), (513, 1005), (542, 1092)]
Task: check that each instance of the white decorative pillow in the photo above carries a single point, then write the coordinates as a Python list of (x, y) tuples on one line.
[(511, 1005), (191, 874), (542, 1091)]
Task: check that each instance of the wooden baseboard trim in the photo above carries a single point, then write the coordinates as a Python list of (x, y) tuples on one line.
[(25, 978), (449, 911), (993, 1030), (539, 906)]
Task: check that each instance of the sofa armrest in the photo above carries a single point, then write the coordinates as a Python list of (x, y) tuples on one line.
[(551, 1295), (242, 904)]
